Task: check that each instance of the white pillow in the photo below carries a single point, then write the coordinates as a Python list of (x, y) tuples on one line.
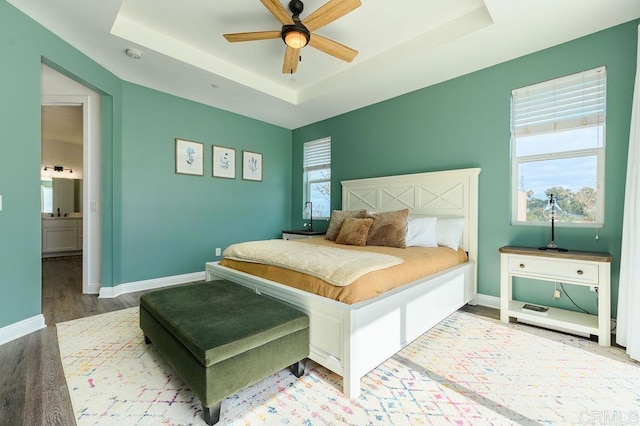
[(449, 232), (421, 232)]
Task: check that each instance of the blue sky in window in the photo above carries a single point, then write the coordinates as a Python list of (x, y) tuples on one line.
[(573, 173)]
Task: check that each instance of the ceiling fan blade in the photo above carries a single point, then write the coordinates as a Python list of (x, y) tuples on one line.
[(277, 9), (257, 35), (333, 48), (329, 12), (291, 58)]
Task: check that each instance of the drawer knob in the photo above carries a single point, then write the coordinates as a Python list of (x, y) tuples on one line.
[(522, 265), (580, 272)]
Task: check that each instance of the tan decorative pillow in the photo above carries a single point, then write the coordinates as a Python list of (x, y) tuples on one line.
[(337, 217), (354, 231), (389, 229)]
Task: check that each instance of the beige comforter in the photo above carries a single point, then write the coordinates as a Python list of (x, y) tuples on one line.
[(336, 266), (418, 262)]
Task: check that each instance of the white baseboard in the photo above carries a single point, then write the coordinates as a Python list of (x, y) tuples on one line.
[(21, 328), (94, 288), (488, 301), (111, 292)]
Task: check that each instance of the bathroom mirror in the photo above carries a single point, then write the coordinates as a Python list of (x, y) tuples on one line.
[(61, 193)]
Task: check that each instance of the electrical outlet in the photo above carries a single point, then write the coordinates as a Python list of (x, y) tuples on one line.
[(556, 294), (218, 251)]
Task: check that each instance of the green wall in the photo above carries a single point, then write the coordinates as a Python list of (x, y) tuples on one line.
[(24, 45), (155, 223), (465, 122), (171, 223)]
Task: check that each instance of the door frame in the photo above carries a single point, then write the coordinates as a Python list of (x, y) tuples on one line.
[(91, 185)]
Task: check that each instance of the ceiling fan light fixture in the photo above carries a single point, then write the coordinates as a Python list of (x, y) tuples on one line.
[(295, 36)]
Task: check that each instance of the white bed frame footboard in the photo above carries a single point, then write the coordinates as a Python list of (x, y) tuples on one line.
[(352, 340)]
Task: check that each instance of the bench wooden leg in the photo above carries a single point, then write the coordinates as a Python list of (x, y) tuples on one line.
[(298, 368), (212, 414)]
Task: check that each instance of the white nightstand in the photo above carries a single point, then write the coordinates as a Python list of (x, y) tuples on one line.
[(572, 267), (298, 234)]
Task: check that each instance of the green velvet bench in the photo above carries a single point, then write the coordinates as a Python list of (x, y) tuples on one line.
[(221, 337)]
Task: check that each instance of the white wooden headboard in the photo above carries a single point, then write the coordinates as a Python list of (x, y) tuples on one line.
[(451, 193)]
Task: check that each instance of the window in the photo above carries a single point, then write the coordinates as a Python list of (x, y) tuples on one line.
[(317, 176), (557, 147)]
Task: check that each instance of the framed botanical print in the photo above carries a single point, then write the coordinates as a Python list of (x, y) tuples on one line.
[(251, 166), (189, 157), (224, 162)]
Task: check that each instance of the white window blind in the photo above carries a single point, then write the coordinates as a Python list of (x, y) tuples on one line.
[(317, 155), (571, 102)]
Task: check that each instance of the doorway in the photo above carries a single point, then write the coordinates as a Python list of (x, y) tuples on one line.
[(62, 94), (61, 179)]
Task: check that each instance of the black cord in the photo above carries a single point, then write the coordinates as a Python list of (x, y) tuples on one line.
[(574, 303)]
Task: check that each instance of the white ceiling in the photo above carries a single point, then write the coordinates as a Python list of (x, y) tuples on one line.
[(403, 46), (62, 124)]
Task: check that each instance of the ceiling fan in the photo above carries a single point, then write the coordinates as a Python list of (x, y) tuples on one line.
[(297, 33)]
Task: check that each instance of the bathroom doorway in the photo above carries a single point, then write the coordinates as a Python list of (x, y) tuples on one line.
[(61, 178), (71, 155)]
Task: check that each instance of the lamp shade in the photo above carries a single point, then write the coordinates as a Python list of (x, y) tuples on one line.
[(308, 214), (552, 211)]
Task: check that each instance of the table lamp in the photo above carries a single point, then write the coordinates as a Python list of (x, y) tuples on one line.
[(551, 212), (308, 214)]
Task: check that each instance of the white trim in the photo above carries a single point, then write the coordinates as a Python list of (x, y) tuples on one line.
[(58, 89), (21, 328), (93, 288), (91, 196), (488, 301), (111, 292)]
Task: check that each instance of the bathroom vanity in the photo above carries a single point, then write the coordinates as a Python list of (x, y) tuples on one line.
[(61, 235)]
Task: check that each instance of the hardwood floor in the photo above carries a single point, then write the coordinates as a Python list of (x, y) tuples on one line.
[(33, 390), (482, 310)]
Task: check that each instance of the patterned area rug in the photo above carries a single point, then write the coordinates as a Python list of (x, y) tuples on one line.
[(466, 370)]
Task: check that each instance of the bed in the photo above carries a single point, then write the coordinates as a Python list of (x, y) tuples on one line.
[(353, 339)]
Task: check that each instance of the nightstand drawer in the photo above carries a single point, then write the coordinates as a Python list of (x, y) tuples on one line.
[(555, 270)]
